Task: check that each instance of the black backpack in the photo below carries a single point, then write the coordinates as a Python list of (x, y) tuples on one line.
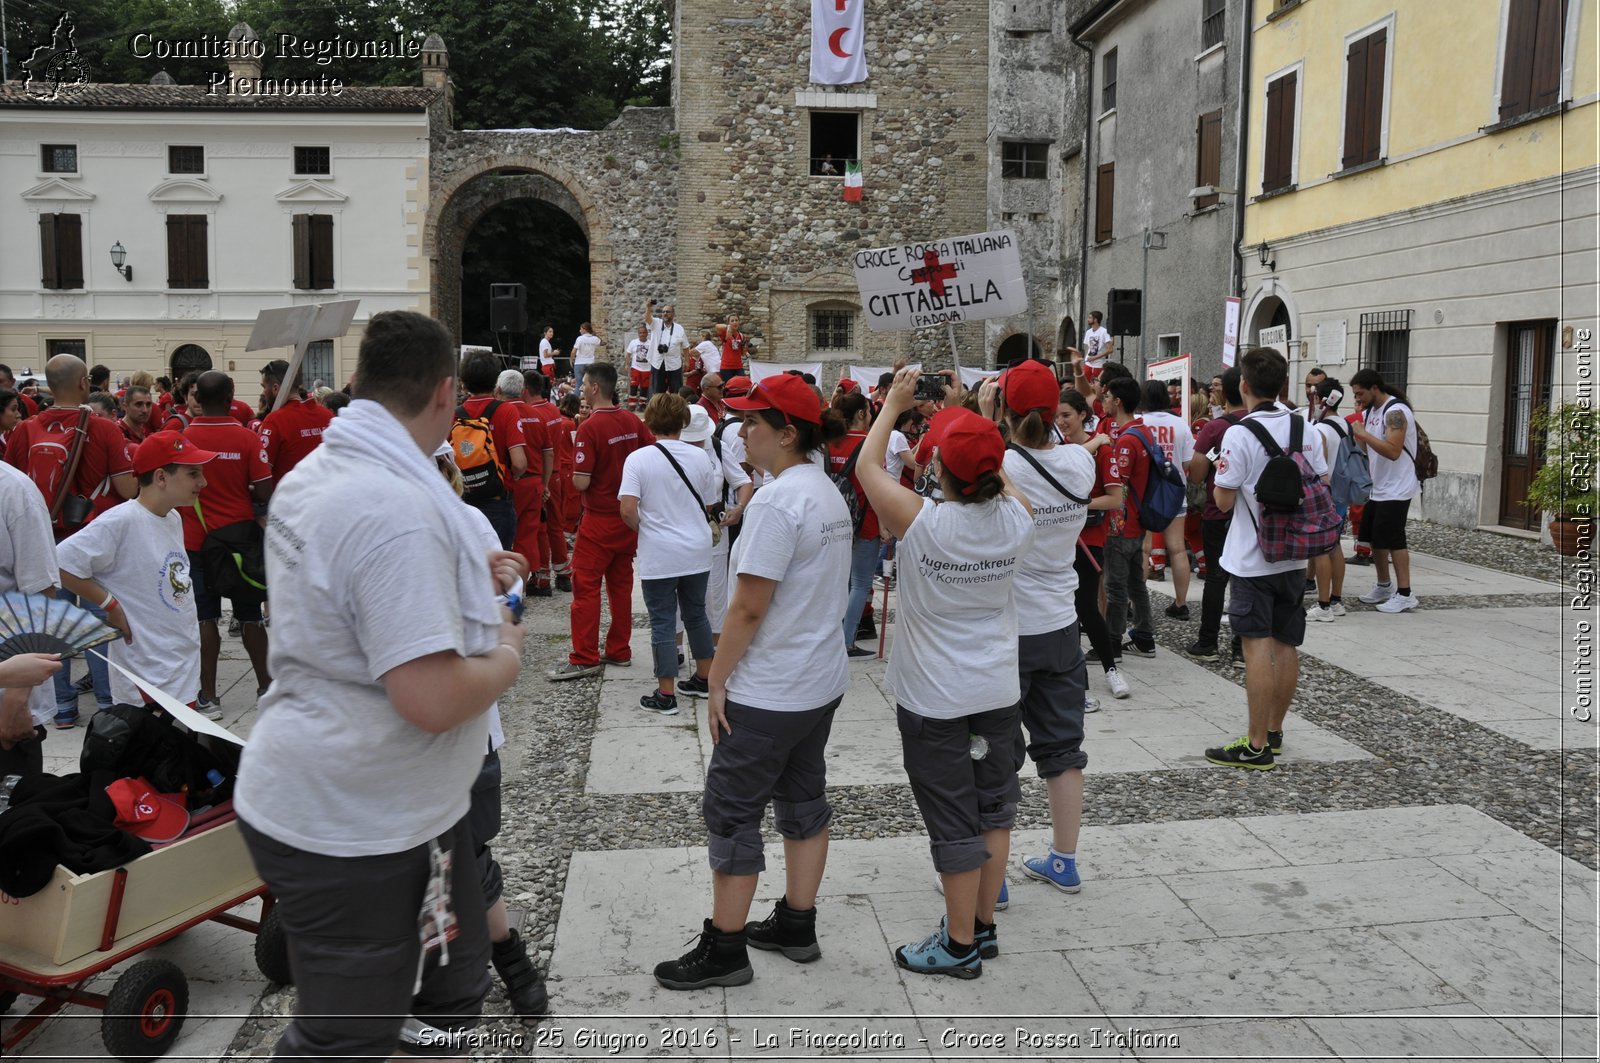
[(1280, 488), (852, 498)]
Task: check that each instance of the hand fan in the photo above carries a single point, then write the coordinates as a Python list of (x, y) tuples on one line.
[(33, 623)]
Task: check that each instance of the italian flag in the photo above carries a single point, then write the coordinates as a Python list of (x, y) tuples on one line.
[(852, 182)]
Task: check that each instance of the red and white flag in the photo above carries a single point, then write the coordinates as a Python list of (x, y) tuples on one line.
[(838, 42)]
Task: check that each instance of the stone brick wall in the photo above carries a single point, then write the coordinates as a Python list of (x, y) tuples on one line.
[(760, 236)]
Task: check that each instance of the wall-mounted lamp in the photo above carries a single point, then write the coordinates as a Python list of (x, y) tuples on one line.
[(1210, 190), (1265, 254), (119, 255)]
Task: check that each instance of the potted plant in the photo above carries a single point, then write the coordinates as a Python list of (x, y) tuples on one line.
[(1564, 486)]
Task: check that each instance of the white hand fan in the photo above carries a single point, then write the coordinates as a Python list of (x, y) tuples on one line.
[(33, 623)]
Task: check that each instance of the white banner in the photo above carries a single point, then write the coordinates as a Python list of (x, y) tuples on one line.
[(958, 278), (759, 371), (1230, 330), (1173, 368), (838, 42), (867, 375), (971, 378)]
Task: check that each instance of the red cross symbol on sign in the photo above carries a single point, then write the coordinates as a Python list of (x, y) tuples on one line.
[(933, 273)]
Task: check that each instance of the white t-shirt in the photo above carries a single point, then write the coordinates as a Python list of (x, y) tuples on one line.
[(583, 349), (1046, 580), (674, 539), (798, 532), (730, 474), (1239, 464), (27, 560), (139, 557), (710, 356), (639, 356), (546, 352), (489, 539), (893, 462), (362, 566), (1393, 479), (675, 339), (1171, 433), (1095, 341), (1329, 436), (956, 651)]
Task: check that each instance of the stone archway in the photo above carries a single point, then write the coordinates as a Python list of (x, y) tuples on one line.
[(189, 358)]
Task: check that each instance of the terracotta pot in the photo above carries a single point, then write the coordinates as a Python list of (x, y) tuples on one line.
[(1567, 534)]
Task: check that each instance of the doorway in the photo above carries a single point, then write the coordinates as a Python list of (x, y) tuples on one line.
[(1530, 356)]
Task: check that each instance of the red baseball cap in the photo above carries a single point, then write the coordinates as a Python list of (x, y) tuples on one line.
[(143, 812), (1031, 386), (734, 386), (847, 384), (168, 448), (969, 445), (789, 395)]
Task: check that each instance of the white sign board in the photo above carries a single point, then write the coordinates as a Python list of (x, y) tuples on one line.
[(299, 326), (1230, 330), (1173, 369), (958, 278), (1276, 337), (1330, 342)]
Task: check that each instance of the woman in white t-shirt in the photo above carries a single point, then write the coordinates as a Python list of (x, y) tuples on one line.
[(778, 676), (1328, 569), (584, 348), (1059, 481), (665, 495), (1165, 546), (956, 694)]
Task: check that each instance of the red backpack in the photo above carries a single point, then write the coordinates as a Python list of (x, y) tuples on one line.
[(55, 447)]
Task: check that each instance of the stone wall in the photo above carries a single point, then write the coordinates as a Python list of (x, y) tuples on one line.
[(618, 183), (760, 236)]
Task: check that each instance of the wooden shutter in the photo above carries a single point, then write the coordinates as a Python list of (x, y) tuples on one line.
[(186, 251), (1355, 100), (199, 271), (1208, 155), (1372, 110), (321, 250), (1516, 82), (49, 272), (1104, 194), (1549, 38), (302, 251), (1277, 169), (69, 250)]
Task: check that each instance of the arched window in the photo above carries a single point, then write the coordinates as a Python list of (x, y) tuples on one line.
[(189, 358)]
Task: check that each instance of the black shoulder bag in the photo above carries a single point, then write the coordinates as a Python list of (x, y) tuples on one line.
[(711, 522)]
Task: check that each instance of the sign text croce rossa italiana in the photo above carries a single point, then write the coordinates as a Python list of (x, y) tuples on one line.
[(958, 278)]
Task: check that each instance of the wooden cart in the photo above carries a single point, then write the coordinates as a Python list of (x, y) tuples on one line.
[(78, 926)]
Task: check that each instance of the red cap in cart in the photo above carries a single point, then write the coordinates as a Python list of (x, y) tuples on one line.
[(143, 812)]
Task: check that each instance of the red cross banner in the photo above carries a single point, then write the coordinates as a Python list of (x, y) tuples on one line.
[(958, 278), (838, 42)]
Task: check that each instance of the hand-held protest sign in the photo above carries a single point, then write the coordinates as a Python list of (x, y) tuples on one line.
[(299, 327), (1169, 369)]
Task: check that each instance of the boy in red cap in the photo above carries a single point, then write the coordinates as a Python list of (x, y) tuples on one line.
[(130, 561)]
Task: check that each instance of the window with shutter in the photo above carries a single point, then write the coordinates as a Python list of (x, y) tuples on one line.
[(1212, 14), (1208, 156), (1104, 196), (1535, 39), (60, 251), (1363, 99), (187, 265), (1277, 168), (302, 251), (322, 251), (1108, 81)]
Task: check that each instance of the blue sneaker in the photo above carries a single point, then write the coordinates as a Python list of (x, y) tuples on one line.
[(66, 721), (1004, 900), (1059, 871), (932, 955), (987, 939)]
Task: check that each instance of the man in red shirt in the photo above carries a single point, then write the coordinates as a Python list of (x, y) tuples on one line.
[(290, 433), (184, 408), (480, 371), (528, 491), (236, 479), (8, 382), (136, 408), (105, 477), (1124, 558), (711, 396), (605, 545), (552, 561)]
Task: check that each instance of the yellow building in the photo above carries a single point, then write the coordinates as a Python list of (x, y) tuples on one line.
[(1420, 182)]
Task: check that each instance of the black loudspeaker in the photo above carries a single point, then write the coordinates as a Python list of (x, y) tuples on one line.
[(1123, 304), (508, 308)]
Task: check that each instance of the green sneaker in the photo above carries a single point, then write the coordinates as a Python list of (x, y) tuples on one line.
[(1275, 742), (1240, 754)]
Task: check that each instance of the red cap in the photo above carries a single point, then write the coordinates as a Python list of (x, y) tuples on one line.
[(167, 448), (1031, 386), (735, 386), (847, 385), (789, 395), (142, 811), (969, 445)]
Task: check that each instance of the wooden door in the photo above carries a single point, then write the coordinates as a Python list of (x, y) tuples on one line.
[(1529, 356)]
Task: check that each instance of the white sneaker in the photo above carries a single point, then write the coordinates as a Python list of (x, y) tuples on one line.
[(1320, 614), (1090, 704), (1337, 608), (1398, 603), (1380, 592), (1119, 686)]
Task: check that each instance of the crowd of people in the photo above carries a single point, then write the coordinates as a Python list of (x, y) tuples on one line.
[(760, 516)]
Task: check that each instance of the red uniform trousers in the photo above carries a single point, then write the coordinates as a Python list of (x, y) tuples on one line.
[(605, 549), (553, 535), (527, 495)]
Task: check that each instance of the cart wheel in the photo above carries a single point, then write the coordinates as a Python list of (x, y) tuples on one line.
[(145, 1011), (272, 950)]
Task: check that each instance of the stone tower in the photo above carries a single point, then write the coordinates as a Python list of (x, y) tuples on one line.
[(761, 230), (244, 66), (436, 76)]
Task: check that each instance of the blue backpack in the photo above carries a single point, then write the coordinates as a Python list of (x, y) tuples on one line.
[(1164, 493), (1351, 482)]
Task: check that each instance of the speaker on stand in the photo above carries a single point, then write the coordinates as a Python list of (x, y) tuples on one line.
[(1123, 306), (508, 317)]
